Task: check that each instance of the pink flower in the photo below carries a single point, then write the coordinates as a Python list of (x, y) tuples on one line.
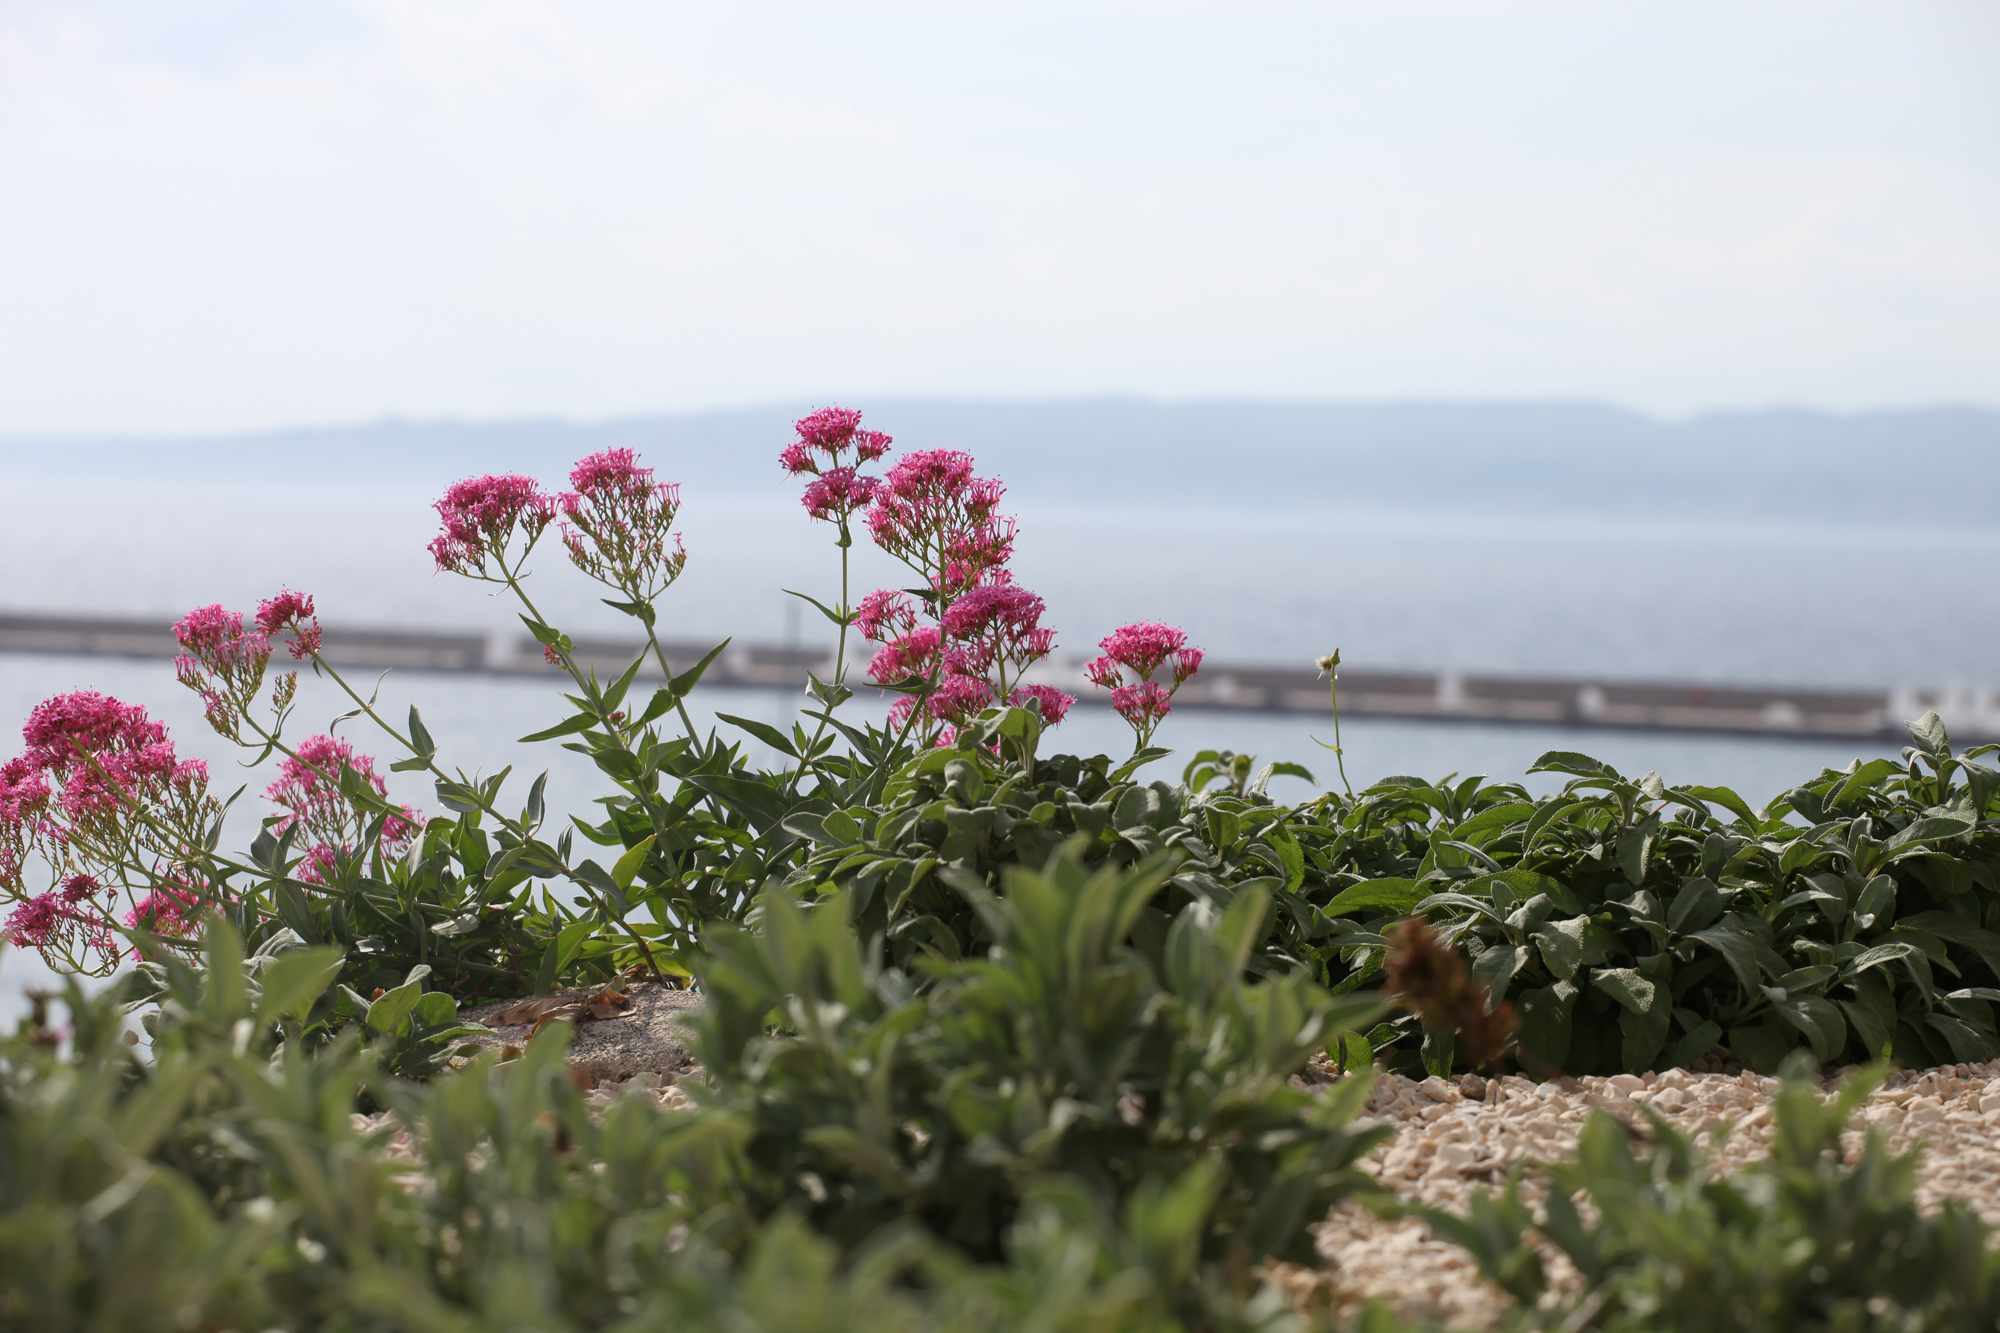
[(224, 663), (611, 471), (835, 494), (24, 792), (1143, 646), (79, 888), (1141, 649), (62, 730), (293, 611), (933, 514), (168, 910), (797, 458), (912, 654), (481, 517), (957, 698), (1142, 705), (885, 613), (617, 523), (36, 923), (308, 789), (1054, 703), (829, 429)]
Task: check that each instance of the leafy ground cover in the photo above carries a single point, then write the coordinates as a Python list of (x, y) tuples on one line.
[(991, 1037)]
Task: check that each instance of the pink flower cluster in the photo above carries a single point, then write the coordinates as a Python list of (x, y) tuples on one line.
[(617, 524), (1143, 649), (224, 663), (481, 518), (291, 612), (976, 630), (935, 516), (99, 786), (327, 822), (838, 488)]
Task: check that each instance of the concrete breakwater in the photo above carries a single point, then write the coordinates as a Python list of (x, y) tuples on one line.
[(1431, 696)]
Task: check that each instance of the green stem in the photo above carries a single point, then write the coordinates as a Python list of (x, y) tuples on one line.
[(1339, 758)]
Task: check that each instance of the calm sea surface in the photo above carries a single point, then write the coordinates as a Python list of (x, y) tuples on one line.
[(1852, 604)]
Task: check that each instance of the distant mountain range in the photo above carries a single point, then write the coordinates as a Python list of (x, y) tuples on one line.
[(1935, 466)]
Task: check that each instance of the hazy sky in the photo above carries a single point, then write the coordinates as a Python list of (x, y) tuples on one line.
[(237, 213)]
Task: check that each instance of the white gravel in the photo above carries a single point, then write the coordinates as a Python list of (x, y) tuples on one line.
[(1455, 1137)]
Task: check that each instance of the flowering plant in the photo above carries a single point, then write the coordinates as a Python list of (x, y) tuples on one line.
[(100, 806), (1142, 649)]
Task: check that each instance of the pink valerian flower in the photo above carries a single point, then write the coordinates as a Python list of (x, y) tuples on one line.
[(831, 431), (62, 731), (482, 516), (916, 653), (958, 698), (36, 923), (1142, 705), (308, 790), (833, 495), (935, 516), (99, 795), (222, 662), (1142, 649), (617, 524), (167, 910), (24, 792), (998, 626), (1054, 703), (884, 614), (291, 611), (838, 489)]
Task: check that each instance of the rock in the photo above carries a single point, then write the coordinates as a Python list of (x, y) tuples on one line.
[(648, 1034)]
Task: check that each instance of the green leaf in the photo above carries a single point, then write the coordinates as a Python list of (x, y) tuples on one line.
[(1545, 1023), (1626, 986), (838, 619), (763, 731), (1819, 1019), (627, 868), (1929, 734), (663, 701), (1697, 905), (1693, 1045), (569, 727), (543, 634), (1379, 895), (293, 980), (688, 679), (387, 1012), (1569, 761), (1727, 799), (1561, 945), (1955, 929), (1137, 762), (1496, 968), (1738, 948)]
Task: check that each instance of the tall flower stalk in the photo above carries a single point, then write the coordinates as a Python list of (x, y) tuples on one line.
[(1132, 656)]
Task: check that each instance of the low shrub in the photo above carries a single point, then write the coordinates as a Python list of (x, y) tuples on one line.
[(1634, 927)]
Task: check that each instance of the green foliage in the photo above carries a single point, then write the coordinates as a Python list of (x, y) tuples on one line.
[(1857, 917), (1062, 1052), (226, 1182), (968, 811), (1801, 1242)]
